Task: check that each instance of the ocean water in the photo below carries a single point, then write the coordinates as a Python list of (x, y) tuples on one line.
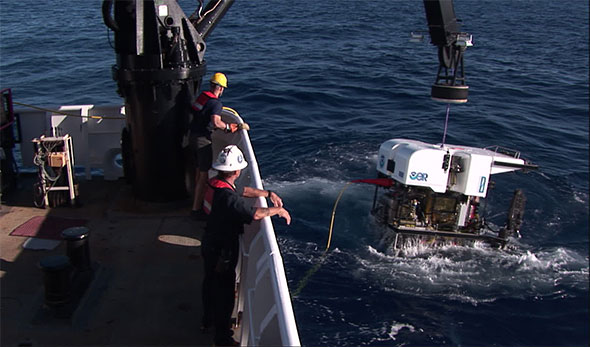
[(322, 84)]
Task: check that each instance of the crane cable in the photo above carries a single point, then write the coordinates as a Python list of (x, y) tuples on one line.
[(446, 125)]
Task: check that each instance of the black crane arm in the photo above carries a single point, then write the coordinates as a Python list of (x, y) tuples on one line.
[(444, 28)]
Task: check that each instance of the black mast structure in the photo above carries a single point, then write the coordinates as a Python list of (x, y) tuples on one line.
[(159, 68)]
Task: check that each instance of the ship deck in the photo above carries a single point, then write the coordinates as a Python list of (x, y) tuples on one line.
[(147, 272)]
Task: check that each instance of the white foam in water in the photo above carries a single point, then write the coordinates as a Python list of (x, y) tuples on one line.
[(530, 261), (474, 274), (581, 197), (386, 332), (396, 327)]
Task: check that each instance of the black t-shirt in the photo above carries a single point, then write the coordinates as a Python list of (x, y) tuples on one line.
[(228, 215)]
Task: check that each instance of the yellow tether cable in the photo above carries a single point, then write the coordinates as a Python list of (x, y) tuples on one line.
[(334, 215), (316, 267), (64, 113)]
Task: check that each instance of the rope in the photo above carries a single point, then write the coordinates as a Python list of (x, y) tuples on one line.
[(64, 113)]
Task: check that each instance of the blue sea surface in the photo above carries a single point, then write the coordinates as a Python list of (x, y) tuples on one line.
[(322, 84)]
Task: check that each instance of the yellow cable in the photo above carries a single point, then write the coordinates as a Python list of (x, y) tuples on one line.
[(316, 267), (64, 113), (334, 214), (308, 274)]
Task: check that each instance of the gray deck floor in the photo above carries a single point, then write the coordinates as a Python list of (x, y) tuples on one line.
[(147, 279)]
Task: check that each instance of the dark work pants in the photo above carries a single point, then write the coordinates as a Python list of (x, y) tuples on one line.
[(218, 293)]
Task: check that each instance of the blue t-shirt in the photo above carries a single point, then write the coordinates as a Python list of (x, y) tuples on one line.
[(202, 118)]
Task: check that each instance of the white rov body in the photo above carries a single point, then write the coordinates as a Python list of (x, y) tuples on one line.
[(436, 189), (461, 169)]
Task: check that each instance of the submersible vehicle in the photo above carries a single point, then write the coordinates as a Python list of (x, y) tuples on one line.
[(432, 192), (436, 189)]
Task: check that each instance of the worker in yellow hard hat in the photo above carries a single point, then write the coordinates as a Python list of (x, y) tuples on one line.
[(206, 112), (219, 79)]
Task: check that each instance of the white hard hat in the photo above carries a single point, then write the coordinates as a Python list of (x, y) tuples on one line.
[(230, 159)]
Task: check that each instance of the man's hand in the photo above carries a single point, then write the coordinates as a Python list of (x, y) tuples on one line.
[(262, 212), (285, 214), (275, 199)]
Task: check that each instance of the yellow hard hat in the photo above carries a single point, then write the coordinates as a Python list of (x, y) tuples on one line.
[(219, 79)]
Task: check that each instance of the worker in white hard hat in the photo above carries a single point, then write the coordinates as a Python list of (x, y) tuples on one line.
[(227, 213), (206, 112)]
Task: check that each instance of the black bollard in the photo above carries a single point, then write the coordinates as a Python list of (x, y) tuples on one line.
[(77, 248), (57, 280)]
